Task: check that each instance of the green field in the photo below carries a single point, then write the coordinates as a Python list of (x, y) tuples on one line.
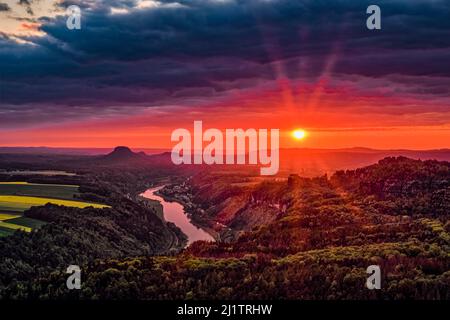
[(6, 216), (12, 221), (57, 191), (14, 226), (26, 222), (16, 197), (22, 203), (6, 232), (38, 172)]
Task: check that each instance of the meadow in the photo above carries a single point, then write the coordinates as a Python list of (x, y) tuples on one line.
[(39, 172), (16, 197), (57, 191)]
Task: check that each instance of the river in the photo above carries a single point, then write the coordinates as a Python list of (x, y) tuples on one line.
[(174, 212)]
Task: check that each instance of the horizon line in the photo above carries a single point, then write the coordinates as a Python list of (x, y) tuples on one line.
[(168, 149)]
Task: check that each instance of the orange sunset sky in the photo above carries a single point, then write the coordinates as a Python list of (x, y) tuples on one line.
[(137, 70)]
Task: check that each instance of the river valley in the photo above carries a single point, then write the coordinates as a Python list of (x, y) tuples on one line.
[(175, 213)]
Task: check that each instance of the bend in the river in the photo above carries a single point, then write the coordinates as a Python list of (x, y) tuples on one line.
[(174, 212)]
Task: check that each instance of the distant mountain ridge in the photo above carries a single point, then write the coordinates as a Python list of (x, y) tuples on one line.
[(150, 151), (71, 151), (124, 153), (304, 161), (312, 162)]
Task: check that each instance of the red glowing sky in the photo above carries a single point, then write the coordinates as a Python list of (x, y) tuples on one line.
[(132, 76)]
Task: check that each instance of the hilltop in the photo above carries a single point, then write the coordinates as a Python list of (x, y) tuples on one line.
[(122, 153)]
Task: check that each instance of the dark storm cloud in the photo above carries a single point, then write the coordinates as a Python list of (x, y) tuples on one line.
[(191, 51), (27, 4), (4, 7)]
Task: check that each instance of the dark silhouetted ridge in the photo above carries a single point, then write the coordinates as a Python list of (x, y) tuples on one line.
[(123, 153)]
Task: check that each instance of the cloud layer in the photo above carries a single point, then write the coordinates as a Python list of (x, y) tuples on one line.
[(130, 56)]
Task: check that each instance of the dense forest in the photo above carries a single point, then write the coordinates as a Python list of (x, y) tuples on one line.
[(132, 226), (314, 240)]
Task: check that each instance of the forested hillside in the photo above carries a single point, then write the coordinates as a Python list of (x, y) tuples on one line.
[(320, 237), (130, 227)]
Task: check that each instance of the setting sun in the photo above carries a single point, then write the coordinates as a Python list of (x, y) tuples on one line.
[(299, 134)]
